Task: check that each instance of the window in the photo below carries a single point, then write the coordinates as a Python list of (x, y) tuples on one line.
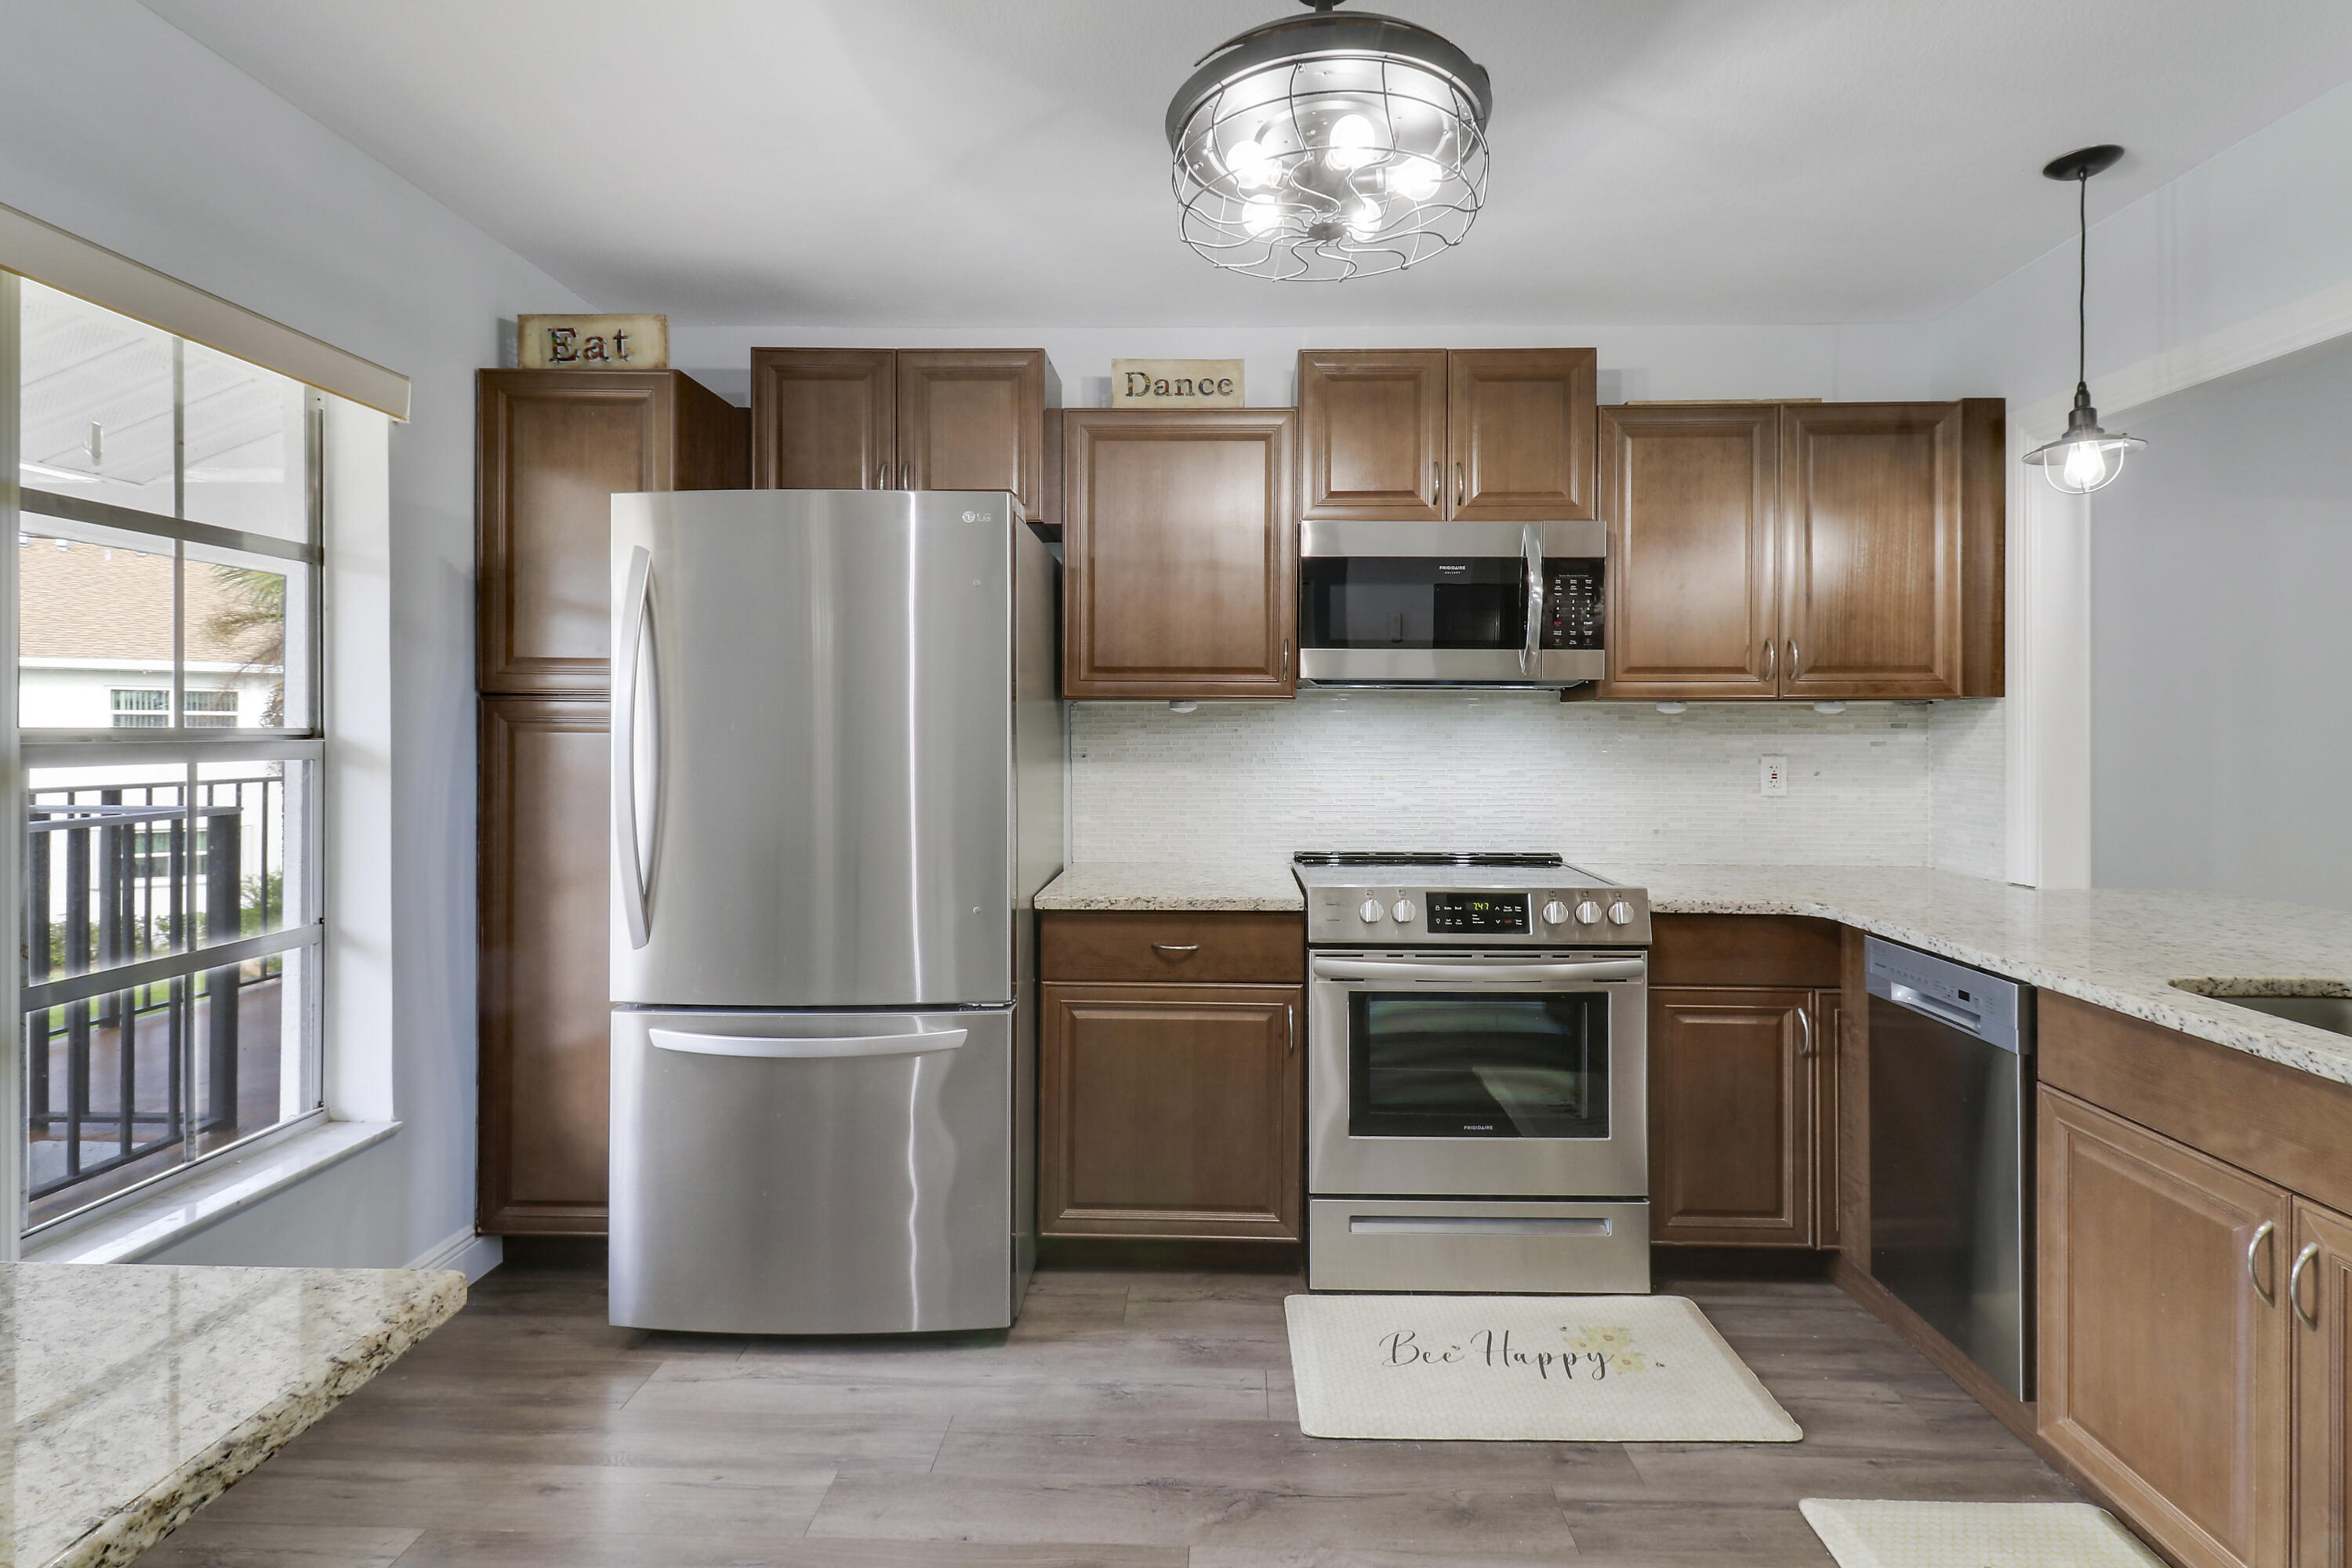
[(168, 560)]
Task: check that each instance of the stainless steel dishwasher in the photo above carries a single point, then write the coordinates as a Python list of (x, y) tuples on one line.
[(1951, 1153)]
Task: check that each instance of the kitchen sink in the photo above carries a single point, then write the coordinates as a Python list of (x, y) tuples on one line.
[(2320, 1010)]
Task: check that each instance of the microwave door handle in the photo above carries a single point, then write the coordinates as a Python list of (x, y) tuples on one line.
[(1531, 547), (1463, 973), (627, 850)]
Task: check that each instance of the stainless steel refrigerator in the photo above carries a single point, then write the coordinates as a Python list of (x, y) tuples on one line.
[(837, 750)]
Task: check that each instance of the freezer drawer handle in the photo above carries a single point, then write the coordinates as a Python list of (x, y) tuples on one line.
[(917, 1044), (1470, 1224), (1473, 973)]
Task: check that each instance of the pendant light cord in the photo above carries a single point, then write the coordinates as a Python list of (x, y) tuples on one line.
[(2082, 279)]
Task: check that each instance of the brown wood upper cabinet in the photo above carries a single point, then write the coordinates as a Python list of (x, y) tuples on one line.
[(554, 446), (918, 419), (1813, 551), (1180, 559), (1498, 435)]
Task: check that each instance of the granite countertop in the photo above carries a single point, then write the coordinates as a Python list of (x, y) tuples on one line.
[(138, 1393), (1142, 885), (2113, 948)]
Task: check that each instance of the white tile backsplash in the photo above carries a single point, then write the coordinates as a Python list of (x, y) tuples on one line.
[(1505, 771), (1968, 753)]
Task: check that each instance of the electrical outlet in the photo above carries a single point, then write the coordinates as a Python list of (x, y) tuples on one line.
[(1776, 776)]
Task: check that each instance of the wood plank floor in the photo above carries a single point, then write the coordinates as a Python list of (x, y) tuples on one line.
[(1132, 1420)]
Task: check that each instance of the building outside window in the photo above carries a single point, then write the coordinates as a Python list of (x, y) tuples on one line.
[(169, 558)]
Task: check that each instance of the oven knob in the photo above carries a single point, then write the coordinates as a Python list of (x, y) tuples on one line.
[(1370, 910), (1555, 912), (1403, 911), (1621, 913), (1588, 912)]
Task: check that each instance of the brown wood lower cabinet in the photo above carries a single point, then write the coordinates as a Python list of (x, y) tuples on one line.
[(545, 1041), (1171, 1110), (2164, 1333), (2321, 1281), (1731, 1123)]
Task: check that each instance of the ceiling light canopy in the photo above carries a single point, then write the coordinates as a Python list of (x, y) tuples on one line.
[(2086, 457), (1325, 147)]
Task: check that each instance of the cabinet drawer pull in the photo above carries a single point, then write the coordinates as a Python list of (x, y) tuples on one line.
[(1805, 1017), (1772, 659), (1290, 1037), (2261, 1234), (1793, 670), (1461, 486), (2294, 1283), (906, 476), (1175, 947), (882, 477), (1437, 484)]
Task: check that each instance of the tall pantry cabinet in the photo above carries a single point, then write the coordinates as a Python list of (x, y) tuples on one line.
[(553, 447)]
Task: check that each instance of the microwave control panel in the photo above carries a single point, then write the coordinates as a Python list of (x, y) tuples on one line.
[(1572, 604)]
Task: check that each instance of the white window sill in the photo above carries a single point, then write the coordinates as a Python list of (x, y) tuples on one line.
[(153, 1219)]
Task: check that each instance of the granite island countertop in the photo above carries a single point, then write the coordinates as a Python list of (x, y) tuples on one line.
[(138, 1393), (2114, 947)]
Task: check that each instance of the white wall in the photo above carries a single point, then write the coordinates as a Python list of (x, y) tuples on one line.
[(1854, 364), (117, 127), (2220, 715)]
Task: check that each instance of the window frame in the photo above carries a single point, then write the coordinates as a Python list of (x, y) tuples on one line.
[(196, 748)]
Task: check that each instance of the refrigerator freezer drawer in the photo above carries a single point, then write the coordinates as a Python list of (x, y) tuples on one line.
[(812, 1173), (1464, 1247)]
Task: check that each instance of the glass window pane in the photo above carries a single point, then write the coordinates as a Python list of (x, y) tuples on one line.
[(97, 413), (252, 861), (249, 629), (104, 1094), (246, 452), (107, 863), (247, 1021), (94, 617)]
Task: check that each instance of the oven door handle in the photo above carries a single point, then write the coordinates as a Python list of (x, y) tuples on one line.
[(1472, 972)]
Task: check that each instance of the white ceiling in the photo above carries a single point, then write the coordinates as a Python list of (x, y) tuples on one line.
[(1001, 163)]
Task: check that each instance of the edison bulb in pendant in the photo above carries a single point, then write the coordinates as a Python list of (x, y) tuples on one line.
[(1353, 145), (2088, 466), (1262, 215)]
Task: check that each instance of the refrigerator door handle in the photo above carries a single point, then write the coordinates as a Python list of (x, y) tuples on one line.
[(628, 851), (920, 1043)]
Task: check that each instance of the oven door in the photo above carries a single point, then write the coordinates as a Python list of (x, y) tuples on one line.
[(1488, 1075), (1451, 604)]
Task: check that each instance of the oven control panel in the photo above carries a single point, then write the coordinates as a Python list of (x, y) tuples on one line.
[(1531, 917)]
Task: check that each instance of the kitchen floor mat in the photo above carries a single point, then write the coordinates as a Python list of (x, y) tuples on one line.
[(1524, 1369), (1974, 1535)]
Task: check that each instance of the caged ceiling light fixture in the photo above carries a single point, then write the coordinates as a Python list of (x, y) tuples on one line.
[(2086, 457), (1325, 147)]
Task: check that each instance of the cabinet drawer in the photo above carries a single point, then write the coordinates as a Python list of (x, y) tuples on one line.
[(1173, 947)]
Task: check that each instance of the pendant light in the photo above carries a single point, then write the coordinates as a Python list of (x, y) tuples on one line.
[(1325, 147), (2086, 457)]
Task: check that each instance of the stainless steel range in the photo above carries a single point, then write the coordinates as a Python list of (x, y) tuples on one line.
[(1477, 1089)]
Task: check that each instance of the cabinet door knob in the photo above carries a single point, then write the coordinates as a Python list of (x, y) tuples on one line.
[(2261, 1234), (2295, 1284)]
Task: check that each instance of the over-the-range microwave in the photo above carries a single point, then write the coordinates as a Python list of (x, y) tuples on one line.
[(1450, 603)]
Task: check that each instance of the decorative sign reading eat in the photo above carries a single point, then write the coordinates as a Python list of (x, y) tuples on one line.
[(593, 342), (1176, 384)]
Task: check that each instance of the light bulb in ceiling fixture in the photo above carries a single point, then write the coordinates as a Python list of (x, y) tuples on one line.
[(1352, 144), (1414, 179), (1363, 218), (1262, 216), (1251, 165), (2086, 468)]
